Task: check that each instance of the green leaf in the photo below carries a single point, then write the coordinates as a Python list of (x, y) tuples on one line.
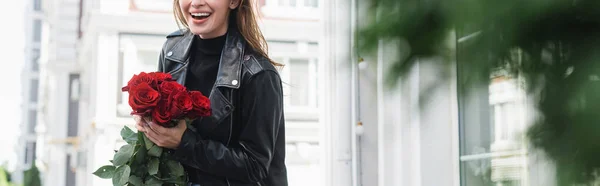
[(147, 142), (137, 181), (175, 168), (105, 172), (155, 151), (153, 166), (151, 181), (182, 180), (139, 170), (123, 155), (140, 154), (128, 135), (121, 175)]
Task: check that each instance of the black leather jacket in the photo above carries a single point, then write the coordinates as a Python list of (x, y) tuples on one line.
[(245, 142)]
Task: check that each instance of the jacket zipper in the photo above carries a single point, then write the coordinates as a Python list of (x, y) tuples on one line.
[(230, 127)]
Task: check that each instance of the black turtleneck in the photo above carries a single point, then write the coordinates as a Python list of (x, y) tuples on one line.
[(204, 63)]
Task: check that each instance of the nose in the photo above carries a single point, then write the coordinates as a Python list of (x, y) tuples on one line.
[(198, 3)]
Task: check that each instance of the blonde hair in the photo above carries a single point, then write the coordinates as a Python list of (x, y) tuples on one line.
[(247, 25)]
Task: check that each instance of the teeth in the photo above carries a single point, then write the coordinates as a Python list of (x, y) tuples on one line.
[(200, 14)]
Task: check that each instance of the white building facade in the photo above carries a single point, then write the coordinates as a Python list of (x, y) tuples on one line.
[(57, 123), (30, 81)]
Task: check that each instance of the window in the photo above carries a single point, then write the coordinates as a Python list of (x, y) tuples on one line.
[(311, 3), (30, 151), (299, 82), (137, 53), (33, 91), (35, 60), (70, 174), (299, 78), (37, 5), (299, 75), (37, 30), (294, 9), (73, 106), (493, 149), (32, 120)]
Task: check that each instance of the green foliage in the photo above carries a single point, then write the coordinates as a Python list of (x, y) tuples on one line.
[(106, 172), (4, 177), (31, 177), (138, 163), (552, 44)]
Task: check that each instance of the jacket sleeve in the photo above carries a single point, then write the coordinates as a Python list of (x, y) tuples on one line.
[(262, 113)]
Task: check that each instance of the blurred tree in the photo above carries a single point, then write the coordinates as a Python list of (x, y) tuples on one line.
[(32, 176), (557, 40), (4, 180)]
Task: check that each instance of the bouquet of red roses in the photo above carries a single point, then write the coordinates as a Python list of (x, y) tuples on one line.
[(158, 97)]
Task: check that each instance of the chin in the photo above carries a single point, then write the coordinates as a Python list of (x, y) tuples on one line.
[(196, 31)]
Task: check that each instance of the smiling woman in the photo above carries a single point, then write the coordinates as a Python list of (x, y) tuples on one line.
[(222, 53)]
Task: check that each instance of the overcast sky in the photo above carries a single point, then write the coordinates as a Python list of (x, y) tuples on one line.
[(11, 57)]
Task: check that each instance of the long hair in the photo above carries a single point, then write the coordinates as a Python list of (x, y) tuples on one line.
[(246, 21)]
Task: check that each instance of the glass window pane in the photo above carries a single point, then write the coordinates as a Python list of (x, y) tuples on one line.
[(32, 121), (27, 159), (299, 82), (37, 30), (311, 3), (37, 5), (35, 57), (492, 149), (30, 151), (33, 92)]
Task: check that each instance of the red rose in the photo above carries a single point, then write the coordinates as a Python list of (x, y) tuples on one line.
[(142, 98), (169, 87), (161, 114), (181, 103), (138, 79), (201, 105), (160, 76)]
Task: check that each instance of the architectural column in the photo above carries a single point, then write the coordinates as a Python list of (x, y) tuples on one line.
[(336, 87)]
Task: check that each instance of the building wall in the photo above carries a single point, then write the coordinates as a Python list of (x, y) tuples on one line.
[(56, 114), (27, 146)]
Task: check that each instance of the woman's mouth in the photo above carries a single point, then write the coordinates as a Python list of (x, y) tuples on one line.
[(200, 17)]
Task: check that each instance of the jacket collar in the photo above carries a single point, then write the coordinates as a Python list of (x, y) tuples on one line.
[(230, 66)]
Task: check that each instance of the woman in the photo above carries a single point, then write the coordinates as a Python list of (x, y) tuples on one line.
[(222, 54)]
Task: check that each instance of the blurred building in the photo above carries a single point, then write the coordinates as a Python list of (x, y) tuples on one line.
[(34, 22), (51, 118)]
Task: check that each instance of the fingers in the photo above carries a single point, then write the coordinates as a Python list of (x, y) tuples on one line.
[(153, 137), (140, 128), (139, 124), (157, 128)]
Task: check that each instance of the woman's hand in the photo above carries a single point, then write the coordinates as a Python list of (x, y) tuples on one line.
[(161, 136)]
